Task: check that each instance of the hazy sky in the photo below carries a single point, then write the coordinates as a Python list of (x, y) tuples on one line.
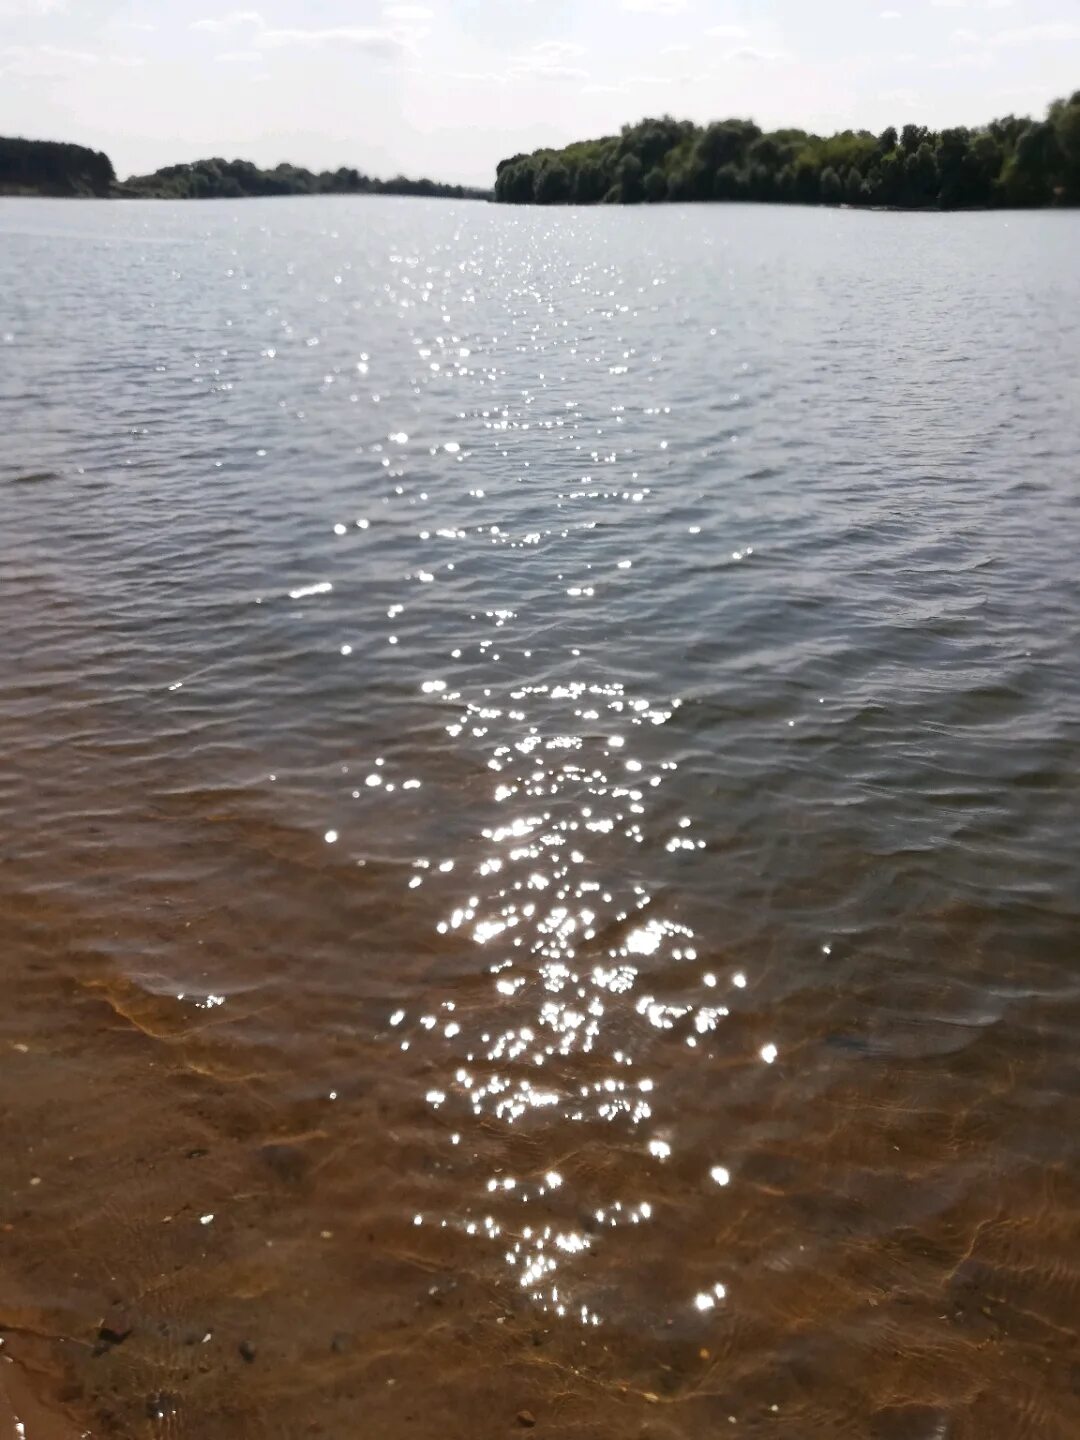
[(448, 87)]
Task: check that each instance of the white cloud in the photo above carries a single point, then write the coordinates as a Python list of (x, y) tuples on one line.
[(891, 15), (966, 60), (43, 60), (473, 77), (750, 54), (549, 61), (407, 14), (728, 32), (676, 50), (603, 90), (375, 42), (557, 50), (17, 9), (217, 24), (52, 61), (1060, 32), (550, 72), (655, 7), (240, 57)]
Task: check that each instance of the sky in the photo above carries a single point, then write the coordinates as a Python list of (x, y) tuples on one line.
[(449, 87)]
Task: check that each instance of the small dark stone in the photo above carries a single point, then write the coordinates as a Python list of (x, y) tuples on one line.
[(526, 1419), (113, 1331), (339, 1342), (247, 1351), (197, 1154)]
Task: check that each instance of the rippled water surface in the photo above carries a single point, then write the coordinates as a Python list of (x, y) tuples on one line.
[(539, 821)]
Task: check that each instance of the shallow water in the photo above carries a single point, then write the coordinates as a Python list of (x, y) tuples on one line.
[(538, 824)]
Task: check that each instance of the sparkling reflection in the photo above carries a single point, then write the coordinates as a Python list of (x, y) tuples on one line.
[(584, 968), (563, 894)]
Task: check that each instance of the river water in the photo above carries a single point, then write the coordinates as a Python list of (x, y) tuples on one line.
[(539, 821)]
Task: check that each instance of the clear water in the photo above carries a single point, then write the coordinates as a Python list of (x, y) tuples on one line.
[(540, 792)]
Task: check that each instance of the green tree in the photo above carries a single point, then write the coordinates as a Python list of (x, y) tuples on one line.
[(725, 142), (590, 183), (1008, 130), (1009, 161), (1029, 173), (516, 183), (656, 185), (807, 189), (694, 179), (728, 183), (651, 140), (631, 186), (892, 181), (832, 189), (54, 168), (986, 158), (1067, 136), (680, 184), (969, 163), (921, 180), (553, 184), (759, 182), (766, 152), (911, 137)]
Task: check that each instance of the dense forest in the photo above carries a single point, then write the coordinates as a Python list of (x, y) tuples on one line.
[(232, 179), (43, 167), (1011, 162)]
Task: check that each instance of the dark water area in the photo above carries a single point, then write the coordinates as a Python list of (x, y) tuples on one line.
[(539, 822)]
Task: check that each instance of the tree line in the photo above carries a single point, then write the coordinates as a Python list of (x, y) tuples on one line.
[(234, 179), (46, 167), (1010, 162)]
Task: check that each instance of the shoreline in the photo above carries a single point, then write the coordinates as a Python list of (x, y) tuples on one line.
[(489, 199), (295, 195)]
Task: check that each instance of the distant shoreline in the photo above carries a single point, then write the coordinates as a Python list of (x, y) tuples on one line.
[(50, 169), (487, 197), (481, 198)]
